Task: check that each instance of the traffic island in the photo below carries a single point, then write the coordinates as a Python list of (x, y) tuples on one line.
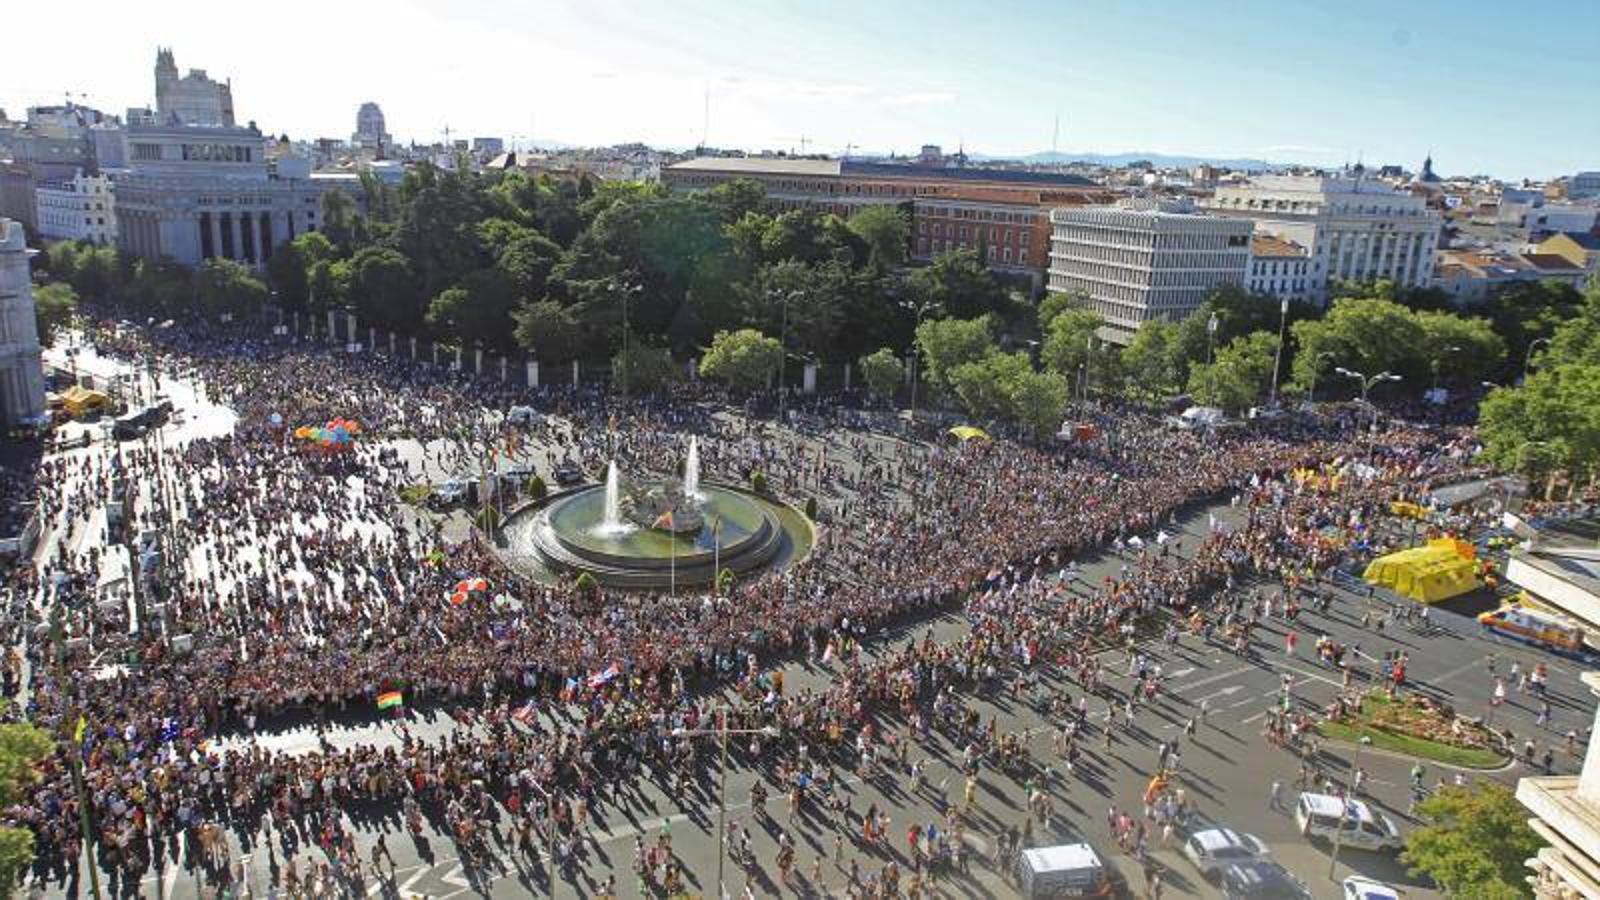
[(1416, 726)]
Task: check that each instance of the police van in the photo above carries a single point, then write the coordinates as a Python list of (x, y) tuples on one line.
[(1065, 870), (1352, 822)]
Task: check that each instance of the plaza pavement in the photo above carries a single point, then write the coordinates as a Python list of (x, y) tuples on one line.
[(1227, 768)]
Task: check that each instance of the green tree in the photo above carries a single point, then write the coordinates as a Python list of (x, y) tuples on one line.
[(1069, 340), (1240, 375), (945, 344), (809, 298), (222, 286), (986, 386), (1151, 360), (1459, 350), (1474, 841), (94, 272), (886, 230), (548, 330), (735, 199), (53, 307), (478, 311), (883, 372), (1039, 402), (647, 368), (961, 285), (339, 218), (742, 359), (383, 288), (1525, 311), (22, 748), (1551, 422), (1368, 336), (1057, 302)]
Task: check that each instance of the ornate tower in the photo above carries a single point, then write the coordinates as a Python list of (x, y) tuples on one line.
[(166, 76)]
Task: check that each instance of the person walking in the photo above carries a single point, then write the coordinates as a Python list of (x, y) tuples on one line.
[(1275, 797)]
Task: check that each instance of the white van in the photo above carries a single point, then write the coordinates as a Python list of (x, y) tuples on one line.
[(1065, 870), (1352, 822)]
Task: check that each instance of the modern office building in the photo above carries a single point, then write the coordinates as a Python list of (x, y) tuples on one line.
[(1143, 260), (1566, 814), (80, 208), (1584, 184), (193, 99), (1353, 228), (21, 369)]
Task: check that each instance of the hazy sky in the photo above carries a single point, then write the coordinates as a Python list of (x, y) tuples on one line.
[(1487, 87)]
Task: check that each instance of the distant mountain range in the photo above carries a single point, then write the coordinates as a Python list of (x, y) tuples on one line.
[(1122, 159)]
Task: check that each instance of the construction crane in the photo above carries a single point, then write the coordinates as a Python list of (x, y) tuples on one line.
[(804, 142)]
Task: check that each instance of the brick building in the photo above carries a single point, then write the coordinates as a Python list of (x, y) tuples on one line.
[(1012, 224)]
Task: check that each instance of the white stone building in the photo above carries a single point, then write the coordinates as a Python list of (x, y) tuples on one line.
[(80, 208), (1278, 267), (194, 194), (1140, 260), (1566, 812), (1354, 228), (21, 369)]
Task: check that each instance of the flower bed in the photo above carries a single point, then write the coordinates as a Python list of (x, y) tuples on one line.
[(1417, 727)]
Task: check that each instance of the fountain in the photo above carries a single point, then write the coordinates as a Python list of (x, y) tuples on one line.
[(691, 472), (657, 532), (611, 521)]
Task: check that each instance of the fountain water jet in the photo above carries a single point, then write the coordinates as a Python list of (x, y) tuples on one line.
[(611, 521), (691, 472)]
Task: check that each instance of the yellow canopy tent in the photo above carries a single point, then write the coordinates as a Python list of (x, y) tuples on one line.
[(968, 432), (1438, 571), (79, 400)]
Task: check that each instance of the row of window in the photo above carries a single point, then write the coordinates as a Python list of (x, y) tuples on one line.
[(996, 235), (981, 215), (997, 255), (1310, 208)]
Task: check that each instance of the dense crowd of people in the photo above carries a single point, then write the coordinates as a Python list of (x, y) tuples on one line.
[(304, 586)]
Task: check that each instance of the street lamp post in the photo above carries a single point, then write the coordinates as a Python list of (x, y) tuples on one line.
[(1277, 356), (1344, 813), (783, 357), (1366, 382), (626, 290), (1211, 337), (722, 732), (1527, 359), (1439, 359), (918, 310)]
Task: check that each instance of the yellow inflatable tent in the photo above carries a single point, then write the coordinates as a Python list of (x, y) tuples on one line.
[(1438, 571)]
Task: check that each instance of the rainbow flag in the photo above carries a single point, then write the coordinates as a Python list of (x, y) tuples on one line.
[(663, 521), (391, 700)]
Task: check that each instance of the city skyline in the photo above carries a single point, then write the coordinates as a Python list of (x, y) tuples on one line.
[(1209, 80)]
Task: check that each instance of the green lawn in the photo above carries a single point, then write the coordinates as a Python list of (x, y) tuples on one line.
[(1360, 724)]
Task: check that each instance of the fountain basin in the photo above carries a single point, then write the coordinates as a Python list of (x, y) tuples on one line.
[(564, 534)]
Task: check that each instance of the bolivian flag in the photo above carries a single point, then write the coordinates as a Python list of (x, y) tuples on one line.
[(391, 700)]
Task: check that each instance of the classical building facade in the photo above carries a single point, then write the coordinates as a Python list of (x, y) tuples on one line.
[(194, 99), (1143, 260), (194, 194), (21, 370), (80, 208), (1353, 228), (1566, 812)]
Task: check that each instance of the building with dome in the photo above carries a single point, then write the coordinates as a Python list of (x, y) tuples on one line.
[(372, 133)]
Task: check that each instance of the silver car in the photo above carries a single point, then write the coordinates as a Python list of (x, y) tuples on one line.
[(1215, 849)]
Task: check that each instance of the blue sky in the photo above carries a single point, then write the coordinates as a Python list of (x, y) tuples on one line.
[(1485, 87)]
